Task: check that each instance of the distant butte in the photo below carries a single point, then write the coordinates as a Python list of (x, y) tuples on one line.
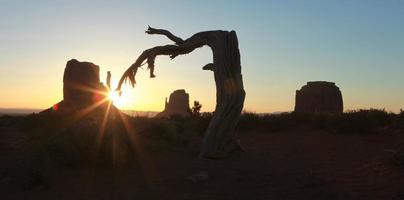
[(81, 83), (319, 97), (81, 87), (178, 105)]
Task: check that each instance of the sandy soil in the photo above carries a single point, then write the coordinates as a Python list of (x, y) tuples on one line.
[(283, 165)]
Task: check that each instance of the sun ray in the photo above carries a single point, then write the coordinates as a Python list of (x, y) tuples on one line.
[(88, 109), (146, 163), (101, 131), (68, 121)]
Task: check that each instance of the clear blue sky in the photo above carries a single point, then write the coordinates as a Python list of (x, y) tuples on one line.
[(357, 44)]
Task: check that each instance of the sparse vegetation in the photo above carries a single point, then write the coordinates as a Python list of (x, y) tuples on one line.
[(55, 142), (196, 109), (351, 122), (78, 141)]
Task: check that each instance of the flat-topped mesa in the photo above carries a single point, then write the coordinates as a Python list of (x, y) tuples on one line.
[(178, 105), (319, 97), (81, 83), (81, 87)]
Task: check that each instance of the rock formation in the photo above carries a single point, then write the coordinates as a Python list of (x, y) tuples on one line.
[(319, 97), (81, 86), (178, 105)]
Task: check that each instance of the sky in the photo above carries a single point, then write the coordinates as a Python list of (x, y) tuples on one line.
[(359, 45)]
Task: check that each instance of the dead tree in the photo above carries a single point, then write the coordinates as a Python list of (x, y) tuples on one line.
[(220, 139)]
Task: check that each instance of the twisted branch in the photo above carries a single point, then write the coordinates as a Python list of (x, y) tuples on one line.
[(179, 48), (168, 34)]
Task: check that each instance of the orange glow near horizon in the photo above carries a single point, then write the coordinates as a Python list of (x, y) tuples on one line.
[(120, 101), (39, 37), (113, 96)]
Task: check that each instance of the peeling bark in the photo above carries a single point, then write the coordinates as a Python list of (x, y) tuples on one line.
[(220, 139)]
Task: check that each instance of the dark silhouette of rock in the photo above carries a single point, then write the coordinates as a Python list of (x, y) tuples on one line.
[(81, 87), (319, 97), (109, 80), (81, 83), (178, 105)]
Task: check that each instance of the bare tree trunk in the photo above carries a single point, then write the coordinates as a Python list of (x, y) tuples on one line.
[(219, 140)]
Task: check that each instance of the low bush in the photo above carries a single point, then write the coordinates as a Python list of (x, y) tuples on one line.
[(362, 121), (249, 121), (351, 122), (400, 120)]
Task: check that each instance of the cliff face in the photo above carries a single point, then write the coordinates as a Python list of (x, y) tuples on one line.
[(178, 104), (81, 83), (319, 97), (81, 87)]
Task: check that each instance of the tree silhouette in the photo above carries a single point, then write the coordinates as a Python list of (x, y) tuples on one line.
[(220, 139), (196, 108)]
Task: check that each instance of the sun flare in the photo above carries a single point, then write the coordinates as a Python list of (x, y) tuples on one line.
[(113, 96), (119, 101)]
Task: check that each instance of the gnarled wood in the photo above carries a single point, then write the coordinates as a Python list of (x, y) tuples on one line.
[(219, 140)]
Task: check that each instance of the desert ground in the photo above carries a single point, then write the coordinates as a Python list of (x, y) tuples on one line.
[(291, 162)]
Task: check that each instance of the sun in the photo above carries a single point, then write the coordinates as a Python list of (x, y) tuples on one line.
[(117, 100), (113, 96)]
